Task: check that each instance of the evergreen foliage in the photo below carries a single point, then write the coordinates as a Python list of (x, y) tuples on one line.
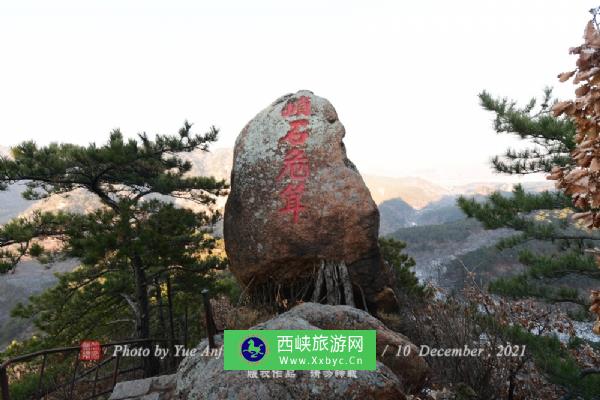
[(557, 362), (403, 264), (545, 216), (143, 260), (551, 139)]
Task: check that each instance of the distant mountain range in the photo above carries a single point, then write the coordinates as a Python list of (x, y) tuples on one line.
[(398, 213), (416, 192), (412, 209), (216, 163), (438, 250), (403, 201)]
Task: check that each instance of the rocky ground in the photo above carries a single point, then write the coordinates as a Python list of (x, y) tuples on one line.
[(201, 377)]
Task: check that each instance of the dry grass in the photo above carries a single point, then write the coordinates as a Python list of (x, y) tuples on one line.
[(237, 317)]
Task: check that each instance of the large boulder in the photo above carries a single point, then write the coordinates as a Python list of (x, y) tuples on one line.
[(408, 366), (201, 377), (296, 200)]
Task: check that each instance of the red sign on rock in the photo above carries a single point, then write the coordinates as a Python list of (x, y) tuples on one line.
[(299, 106), (296, 165)]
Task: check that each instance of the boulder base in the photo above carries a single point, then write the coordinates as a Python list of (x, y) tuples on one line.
[(201, 377)]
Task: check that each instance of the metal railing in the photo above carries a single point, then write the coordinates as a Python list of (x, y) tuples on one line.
[(81, 375), (80, 372)]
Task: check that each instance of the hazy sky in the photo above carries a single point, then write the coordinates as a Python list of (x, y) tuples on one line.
[(403, 75)]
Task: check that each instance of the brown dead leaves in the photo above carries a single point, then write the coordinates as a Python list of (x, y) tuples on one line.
[(595, 309), (582, 180)]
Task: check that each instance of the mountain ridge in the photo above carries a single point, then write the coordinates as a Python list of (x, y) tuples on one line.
[(417, 192), (403, 201)]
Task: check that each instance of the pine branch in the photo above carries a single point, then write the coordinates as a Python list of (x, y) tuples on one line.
[(540, 128)]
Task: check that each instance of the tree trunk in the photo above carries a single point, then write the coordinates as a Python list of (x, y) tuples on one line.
[(338, 287), (346, 284), (159, 300), (151, 366), (171, 323), (185, 326), (319, 283)]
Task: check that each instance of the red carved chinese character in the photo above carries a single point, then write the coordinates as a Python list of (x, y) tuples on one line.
[(295, 136), (292, 195), (90, 350), (296, 164), (299, 106)]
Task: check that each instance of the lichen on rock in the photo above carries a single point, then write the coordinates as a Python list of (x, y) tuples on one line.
[(296, 201)]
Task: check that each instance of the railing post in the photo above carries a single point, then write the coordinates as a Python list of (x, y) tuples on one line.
[(74, 378), (96, 379), (4, 384), (211, 327), (116, 371), (41, 381)]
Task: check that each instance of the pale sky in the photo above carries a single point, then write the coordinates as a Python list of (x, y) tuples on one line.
[(403, 75)]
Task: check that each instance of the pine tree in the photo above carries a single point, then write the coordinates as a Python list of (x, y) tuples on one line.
[(563, 139), (545, 216), (407, 283), (130, 248), (550, 139)]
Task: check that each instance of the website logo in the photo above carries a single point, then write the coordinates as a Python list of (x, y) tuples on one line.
[(300, 349), (253, 349)]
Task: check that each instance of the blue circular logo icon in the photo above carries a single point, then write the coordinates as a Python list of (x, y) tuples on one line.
[(253, 349)]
